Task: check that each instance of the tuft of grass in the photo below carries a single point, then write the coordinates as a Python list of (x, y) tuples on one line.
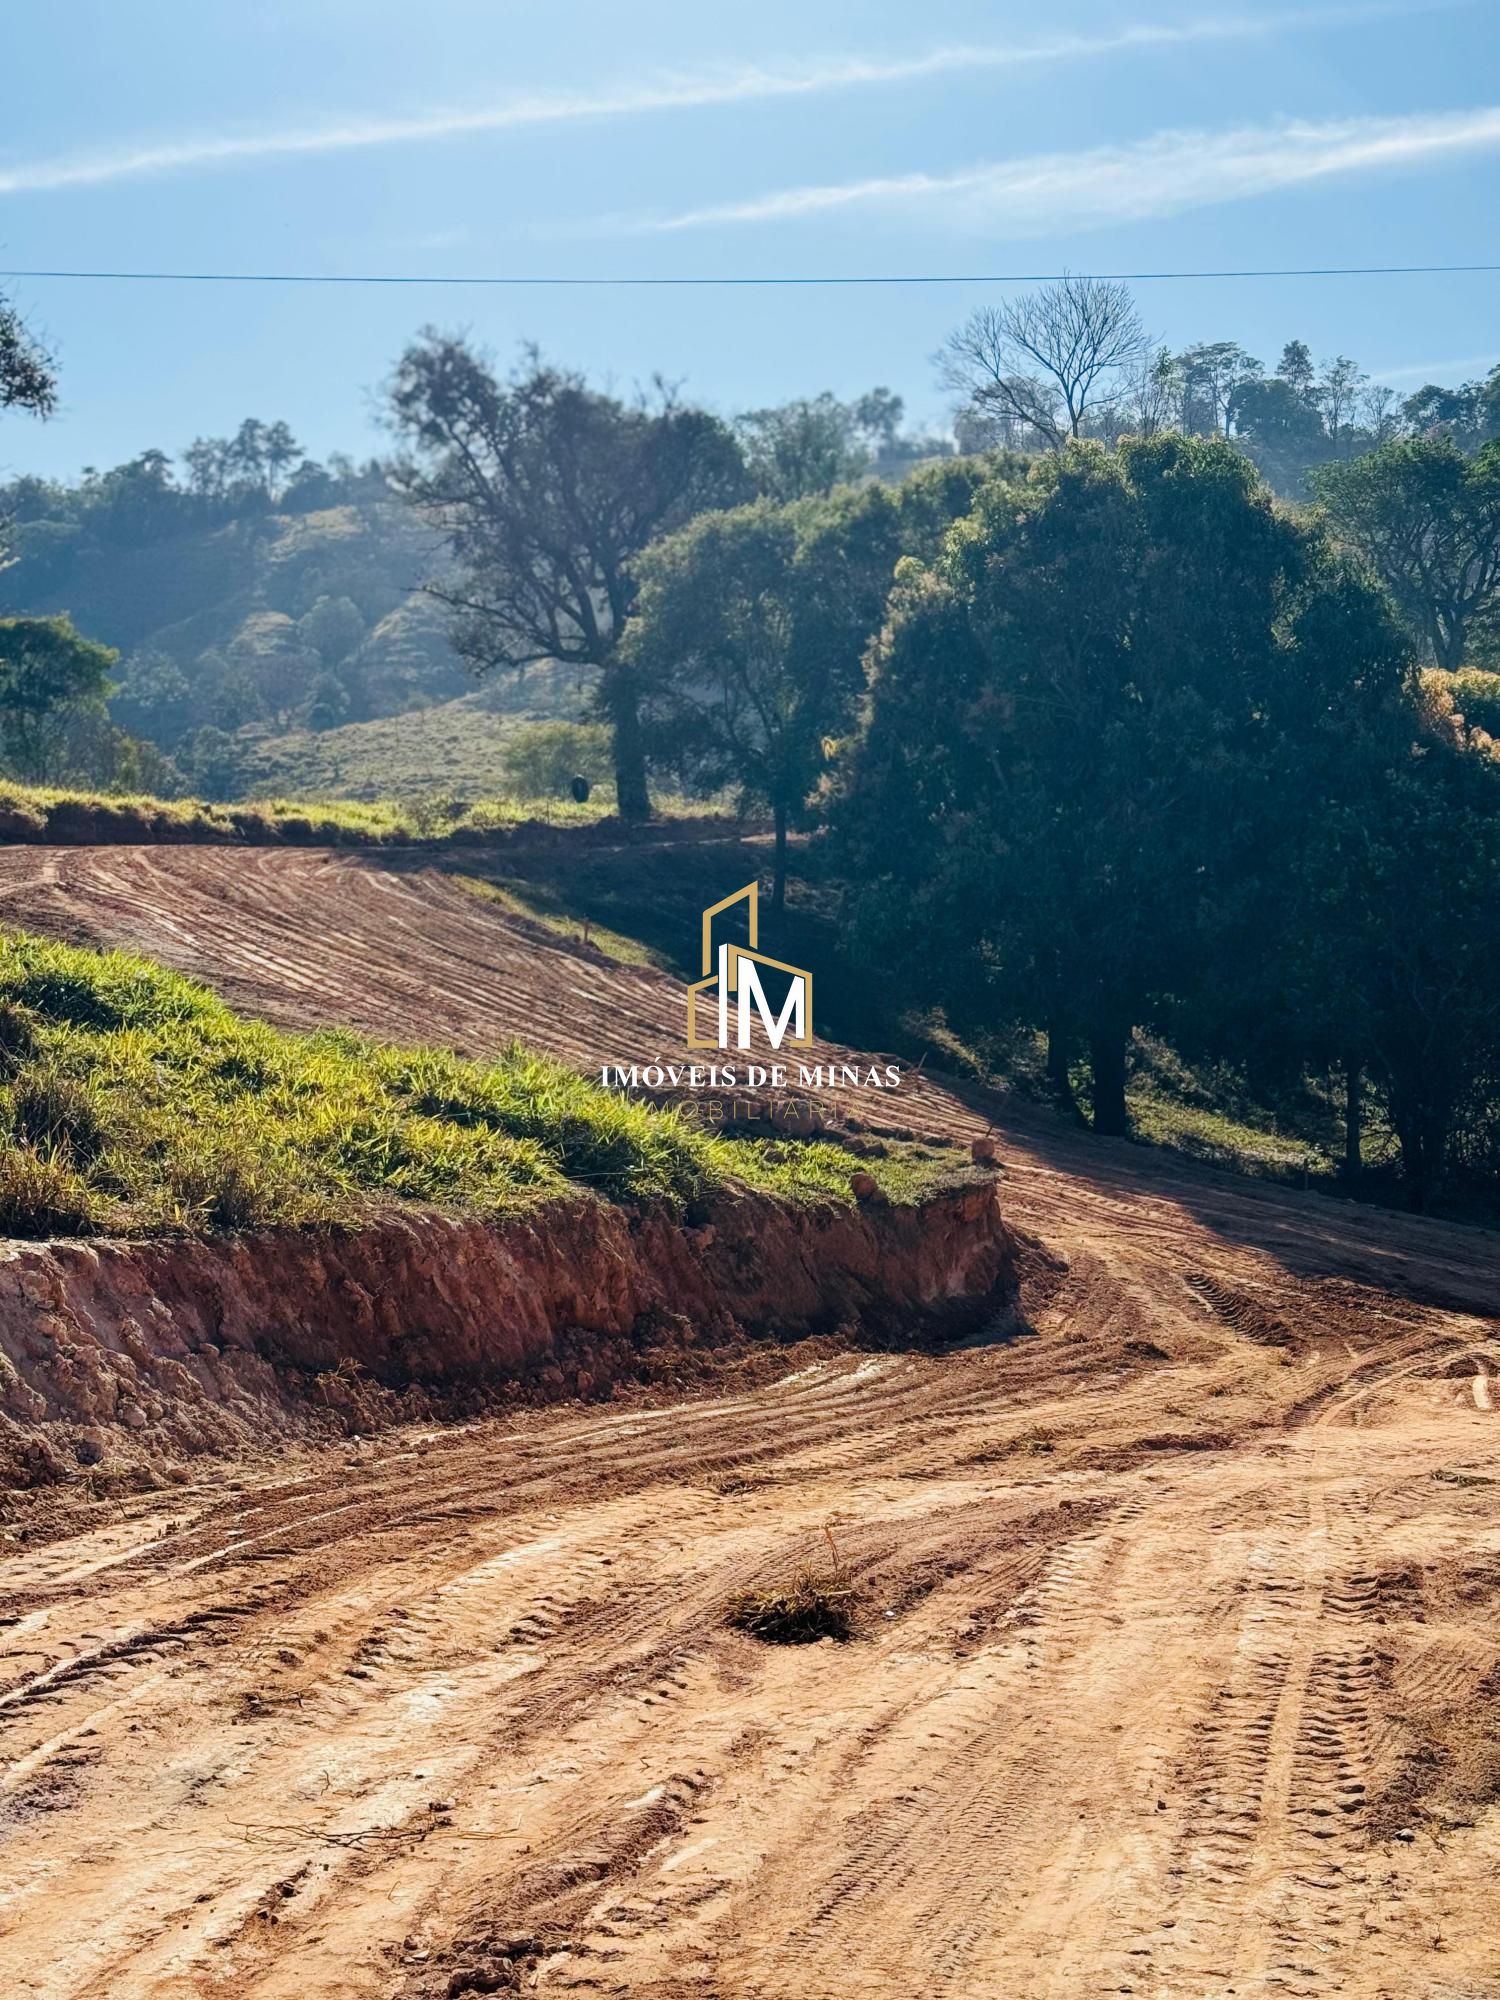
[(43, 1196), (815, 1604), (18, 1041), (53, 1112), (134, 1101)]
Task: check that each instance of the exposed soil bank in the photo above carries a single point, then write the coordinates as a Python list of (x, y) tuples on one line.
[(140, 1353)]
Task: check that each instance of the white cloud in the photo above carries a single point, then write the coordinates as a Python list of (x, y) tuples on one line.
[(744, 85), (1452, 370), (1166, 174)]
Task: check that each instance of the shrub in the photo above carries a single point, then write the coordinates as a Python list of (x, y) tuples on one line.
[(1477, 697), (543, 758)]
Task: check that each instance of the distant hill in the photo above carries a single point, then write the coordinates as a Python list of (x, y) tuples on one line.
[(238, 592), (269, 634)]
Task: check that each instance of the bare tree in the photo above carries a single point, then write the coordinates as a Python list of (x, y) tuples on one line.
[(1038, 362), (1341, 389), (1381, 413)]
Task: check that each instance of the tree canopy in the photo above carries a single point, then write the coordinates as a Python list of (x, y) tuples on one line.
[(748, 641), (1426, 518), (49, 674), (27, 378), (1090, 725)]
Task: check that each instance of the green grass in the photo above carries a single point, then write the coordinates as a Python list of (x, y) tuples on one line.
[(1221, 1140), (48, 813), (133, 1101)]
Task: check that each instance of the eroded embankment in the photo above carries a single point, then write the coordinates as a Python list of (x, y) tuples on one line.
[(141, 1353)]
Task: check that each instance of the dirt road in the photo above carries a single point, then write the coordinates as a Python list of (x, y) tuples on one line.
[(1175, 1674)]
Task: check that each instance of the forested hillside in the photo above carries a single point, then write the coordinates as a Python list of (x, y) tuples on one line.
[(248, 590)]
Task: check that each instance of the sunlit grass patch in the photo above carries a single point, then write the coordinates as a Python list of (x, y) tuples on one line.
[(132, 1100), (540, 905), (48, 813)]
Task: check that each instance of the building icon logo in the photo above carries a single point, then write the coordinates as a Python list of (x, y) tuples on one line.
[(731, 973)]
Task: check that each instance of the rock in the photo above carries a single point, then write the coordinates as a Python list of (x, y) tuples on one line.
[(89, 1447), (983, 1151)]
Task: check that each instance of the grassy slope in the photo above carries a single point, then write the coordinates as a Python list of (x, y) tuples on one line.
[(455, 746), (134, 1101), (45, 812)]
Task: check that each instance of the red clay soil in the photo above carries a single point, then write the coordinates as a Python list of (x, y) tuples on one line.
[(133, 1355), (1178, 1607)]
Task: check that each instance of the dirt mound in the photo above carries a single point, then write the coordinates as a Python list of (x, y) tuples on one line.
[(141, 1353)]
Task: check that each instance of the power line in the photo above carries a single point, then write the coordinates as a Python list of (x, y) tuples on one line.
[(591, 282)]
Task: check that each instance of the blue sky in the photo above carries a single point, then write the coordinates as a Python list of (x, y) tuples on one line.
[(591, 137)]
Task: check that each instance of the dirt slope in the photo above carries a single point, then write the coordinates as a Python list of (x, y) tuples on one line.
[(308, 937), (128, 1356), (1180, 1617)]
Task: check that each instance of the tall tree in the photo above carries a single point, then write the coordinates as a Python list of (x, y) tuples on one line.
[(749, 640), (1038, 363), (1297, 369), (1340, 394), (802, 448), (206, 468), (1394, 904), (1281, 426), (547, 491), (280, 451), (1212, 374), (1427, 520), (245, 455), (1083, 738)]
